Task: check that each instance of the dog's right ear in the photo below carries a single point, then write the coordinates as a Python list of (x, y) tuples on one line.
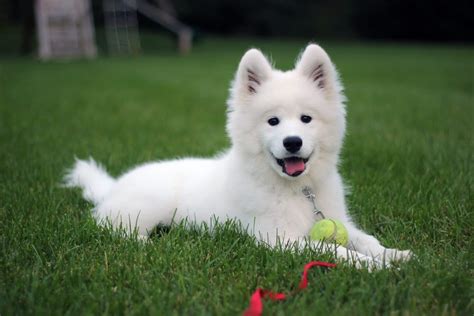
[(314, 63), (254, 70)]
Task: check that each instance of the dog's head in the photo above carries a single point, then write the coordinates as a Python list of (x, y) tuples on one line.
[(295, 119)]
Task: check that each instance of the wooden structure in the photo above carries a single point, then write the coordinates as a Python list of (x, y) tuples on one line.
[(65, 29), (163, 16), (121, 27)]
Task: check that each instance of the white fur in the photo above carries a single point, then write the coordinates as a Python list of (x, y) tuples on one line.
[(246, 182), (93, 179)]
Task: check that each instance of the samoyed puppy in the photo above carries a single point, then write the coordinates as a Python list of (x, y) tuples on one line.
[(286, 131)]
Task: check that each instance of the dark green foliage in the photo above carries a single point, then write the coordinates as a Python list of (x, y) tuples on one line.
[(408, 158), (420, 20)]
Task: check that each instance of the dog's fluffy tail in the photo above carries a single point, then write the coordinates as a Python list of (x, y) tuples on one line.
[(91, 177)]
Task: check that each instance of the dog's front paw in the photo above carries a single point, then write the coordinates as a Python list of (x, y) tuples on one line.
[(392, 254), (390, 257)]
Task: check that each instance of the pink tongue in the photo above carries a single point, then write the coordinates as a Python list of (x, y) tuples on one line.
[(294, 166)]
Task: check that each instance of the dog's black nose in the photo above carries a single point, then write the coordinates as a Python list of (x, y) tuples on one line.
[(292, 143)]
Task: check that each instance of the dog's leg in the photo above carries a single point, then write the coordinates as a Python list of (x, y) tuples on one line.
[(352, 257), (369, 245), (341, 253), (330, 199)]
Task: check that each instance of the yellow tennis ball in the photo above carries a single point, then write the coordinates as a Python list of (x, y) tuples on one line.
[(330, 230)]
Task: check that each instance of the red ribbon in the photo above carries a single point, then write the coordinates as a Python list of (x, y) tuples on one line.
[(256, 306)]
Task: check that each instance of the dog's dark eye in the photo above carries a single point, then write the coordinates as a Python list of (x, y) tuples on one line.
[(273, 121), (306, 118)]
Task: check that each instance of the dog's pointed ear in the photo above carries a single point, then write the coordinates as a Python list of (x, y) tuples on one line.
[(254, 70), (315, 64)]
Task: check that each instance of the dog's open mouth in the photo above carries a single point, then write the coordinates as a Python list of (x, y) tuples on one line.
[(292, 166)]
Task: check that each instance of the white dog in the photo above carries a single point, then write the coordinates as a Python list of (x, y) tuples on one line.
[(286, 128)]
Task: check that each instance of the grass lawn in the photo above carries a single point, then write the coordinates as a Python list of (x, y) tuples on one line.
[(408, 158)]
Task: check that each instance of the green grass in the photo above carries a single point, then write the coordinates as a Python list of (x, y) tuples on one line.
[(408, 158)]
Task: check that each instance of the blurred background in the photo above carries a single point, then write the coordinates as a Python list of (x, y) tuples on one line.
[(118, 26)]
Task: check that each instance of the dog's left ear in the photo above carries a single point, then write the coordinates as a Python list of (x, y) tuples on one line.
[(254, 70), (315, 64)]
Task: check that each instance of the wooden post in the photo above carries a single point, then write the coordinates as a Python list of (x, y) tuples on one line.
[(185, 41), (168, 21)]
